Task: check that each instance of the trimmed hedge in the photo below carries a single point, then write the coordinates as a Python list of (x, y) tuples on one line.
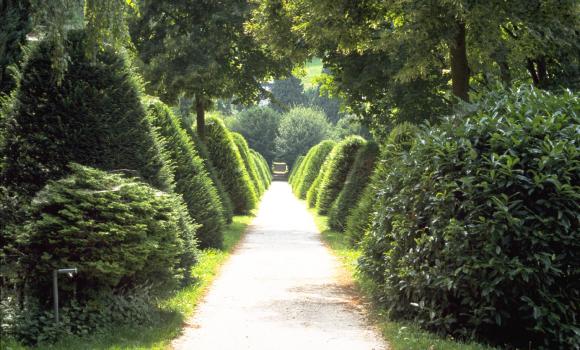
[(341, 160), (230, 167), (248, 162), (119, 233), (312, 167), (260, 167), (357, 179), (477, 231), (227, 206), (192, 181), (93, 117), (358, 222), (295, 168)]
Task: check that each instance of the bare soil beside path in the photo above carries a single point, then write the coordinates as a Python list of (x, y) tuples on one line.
[(281, 289)]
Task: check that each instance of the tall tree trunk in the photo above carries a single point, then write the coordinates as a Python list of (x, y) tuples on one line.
[(200, 112), (459, 64)]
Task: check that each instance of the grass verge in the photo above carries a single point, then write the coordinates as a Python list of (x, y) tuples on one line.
[(400, 335), (174, 311)]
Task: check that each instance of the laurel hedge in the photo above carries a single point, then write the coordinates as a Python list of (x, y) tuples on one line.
[(248, 162), (118, 232), (192, 180), (340, 162), (312, 167), (230, 167), (356, 180), (477, 226), (93, 116)]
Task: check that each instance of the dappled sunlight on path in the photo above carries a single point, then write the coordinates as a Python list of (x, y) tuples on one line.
[(281, 289)]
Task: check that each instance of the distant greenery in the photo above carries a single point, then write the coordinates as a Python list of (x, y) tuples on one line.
[(259, 126), (300, 129)]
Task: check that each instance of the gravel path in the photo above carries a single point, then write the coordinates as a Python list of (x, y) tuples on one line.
[(281, 290)]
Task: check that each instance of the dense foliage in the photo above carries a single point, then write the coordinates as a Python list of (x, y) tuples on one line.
[(261, 167), (477, 227), (227, 206), (356, 180), (399, 140), (94, 117), (118, 232), (192, 180), (332, 180), (295, 169), (244, 151), (259, 126), (312, 167), (300, 129), (230, 167)]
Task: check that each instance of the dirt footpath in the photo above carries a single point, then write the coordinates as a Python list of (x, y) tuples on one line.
[(281, 290)]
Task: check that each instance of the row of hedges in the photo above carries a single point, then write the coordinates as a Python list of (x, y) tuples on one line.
[(471, 227), (192, 180), (94, 177), (232, 172)]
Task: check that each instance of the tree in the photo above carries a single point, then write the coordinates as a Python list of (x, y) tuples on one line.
[(201, 49), (13, 29), (259, 126), (287, 93), (300, 129), (469, 42)]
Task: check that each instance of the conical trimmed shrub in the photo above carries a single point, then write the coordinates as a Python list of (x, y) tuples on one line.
[(341, 160), (192, 180), (312, 167), (248, 162), (92, 115), (227, 206), (355, 183), (295, 168), (230, 167), (260, 169)]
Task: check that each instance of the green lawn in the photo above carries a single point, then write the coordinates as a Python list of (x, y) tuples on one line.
[(174, 311), (312, 69), (401, 336)]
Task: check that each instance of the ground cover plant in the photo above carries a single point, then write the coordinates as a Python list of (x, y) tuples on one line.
[(230, 167), (192, 180)]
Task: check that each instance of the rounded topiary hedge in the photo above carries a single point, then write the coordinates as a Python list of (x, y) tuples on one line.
[(312, 167), (248, 162), (192, 180), (357, 179), (341, 159), (120, 233), (92, 116), (295, 168), (230, 167), (227, 206), (477, 227), (399, 140), (261, 168)]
